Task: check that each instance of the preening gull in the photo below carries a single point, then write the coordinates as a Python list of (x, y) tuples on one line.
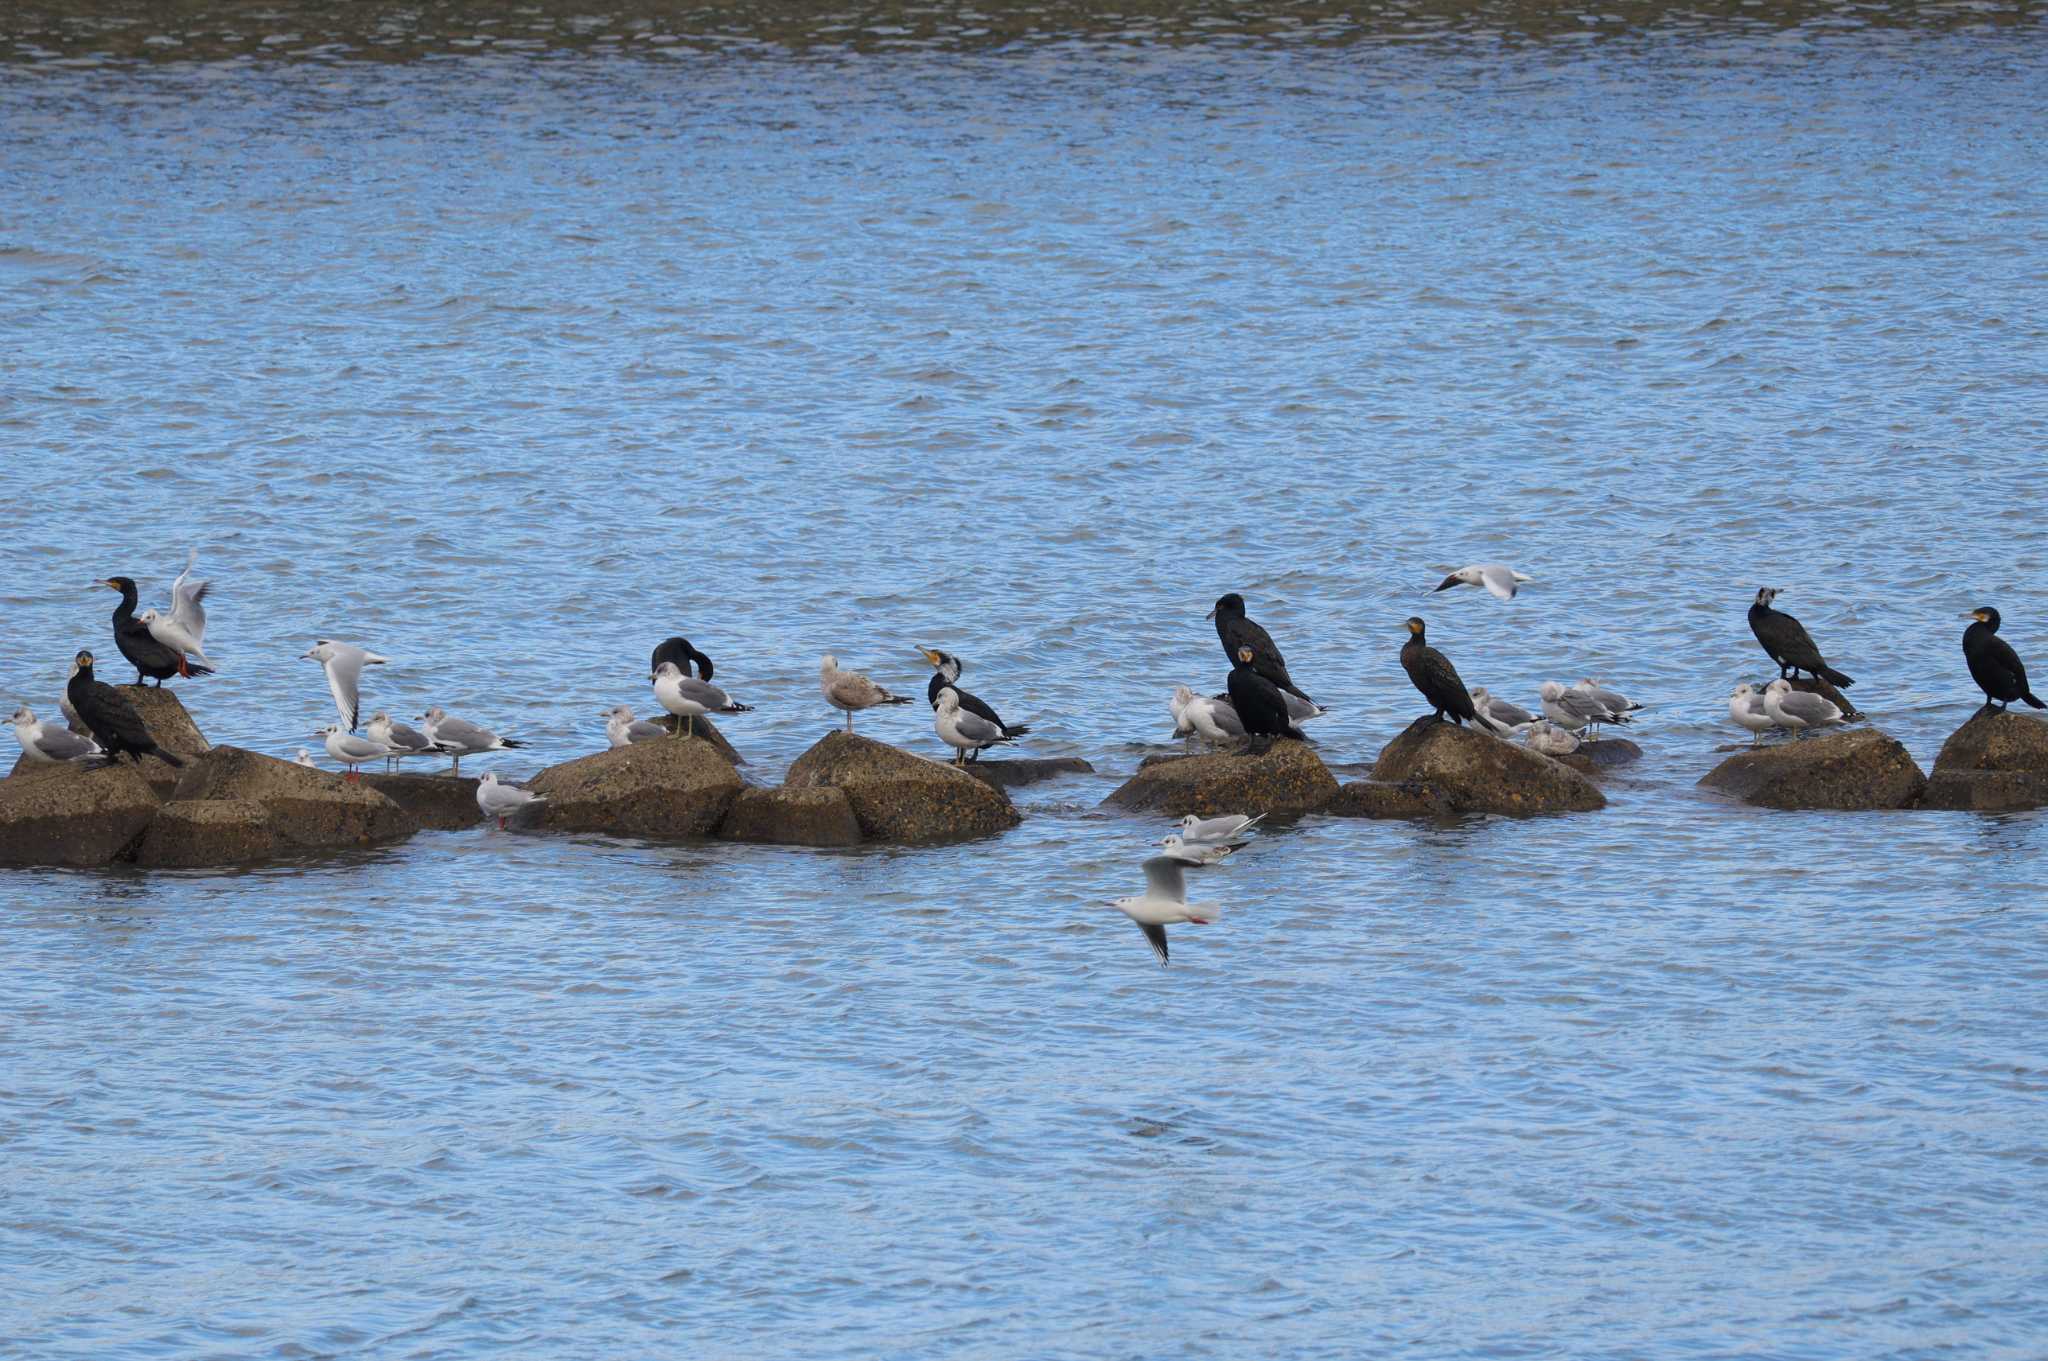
[(502, 801), (350, 750), (1746, 711), (46, 745), (849, 691), (1165, 902), (963, 731), (459, 737), (1798, 710), (1211, 717), (1498, 578), (344, 663)]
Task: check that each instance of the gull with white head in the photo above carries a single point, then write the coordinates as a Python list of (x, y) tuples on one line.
[(503, 801), (1746, 711), (1210, 831), (46, 745), (1164, 903), (1498, 578), (350, 750), (459, 738), (621, 729), (344, 663), (1797, 709), (403, 740)]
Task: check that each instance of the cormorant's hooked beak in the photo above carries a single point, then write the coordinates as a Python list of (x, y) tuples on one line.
[(108, 584), (1977, 615), (931, 655), (1211, 614)]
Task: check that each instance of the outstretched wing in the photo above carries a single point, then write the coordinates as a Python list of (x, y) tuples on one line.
[(1164, 876), (1155, 936)]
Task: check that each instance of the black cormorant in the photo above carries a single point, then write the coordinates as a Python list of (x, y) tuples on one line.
[(946, 669), (1261, 705), (1435, 677), (150, 657), (1785, 639), (114, 723), (1993, 664), (1237, 632), (679, 651)]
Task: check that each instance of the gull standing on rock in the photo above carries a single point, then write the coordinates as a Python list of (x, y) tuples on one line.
[(404, 741), (962, 731), (46, 745), (350, 750), (1573, 710), (1164, 902), (1798, 710), (1500, 580), (1746, 711), (1616, 702), (1210, 717), (459, 738), (1498, 714), (502, 801), (688, 698), (621, 729), (344, 663), (850, 691), (183, 627), (946, 669)]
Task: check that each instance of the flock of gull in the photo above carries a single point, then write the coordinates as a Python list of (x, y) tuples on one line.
[(1260, 703)]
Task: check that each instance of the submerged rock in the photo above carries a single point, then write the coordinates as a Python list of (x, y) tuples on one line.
[(900, 797), (74, 815), (1373, 799), (1848, 770), (1017, 771), (1609, 753), (821, 816), (194, 833), (304, 807), (667, 788), (443, 803), (1995, 763), (1477, 772), (1283, 777)]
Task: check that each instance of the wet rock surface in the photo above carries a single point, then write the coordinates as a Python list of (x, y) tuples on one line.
[(1997, 762), (898, 797), (442, 803), (705, 728), (1282, 777), (304, 807), (1845, 770), (1404, 799), (1476, 772), (1018, 772), (1609, 753), (820, 816), (195, 833), (670, 788), (74, 815)]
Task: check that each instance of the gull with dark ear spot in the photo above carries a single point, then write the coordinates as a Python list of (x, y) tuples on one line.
[(621, 729), (687, 697), (343, 663), (457, 738), (404, 741), (1746, 711), (1499, 579), (1995, 667), (1163, 903), (46, 745)]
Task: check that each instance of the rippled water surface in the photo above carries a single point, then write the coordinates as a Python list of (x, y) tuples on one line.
[(511, 363)]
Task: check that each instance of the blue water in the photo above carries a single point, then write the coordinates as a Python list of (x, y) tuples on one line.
[(509, 367)]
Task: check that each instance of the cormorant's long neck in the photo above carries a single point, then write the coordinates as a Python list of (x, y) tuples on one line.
[(939, 682), (125, 611), (1976, 633), (703, 664)]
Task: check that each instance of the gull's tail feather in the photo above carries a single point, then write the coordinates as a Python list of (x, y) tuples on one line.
[(1204, 913), (735, 707)]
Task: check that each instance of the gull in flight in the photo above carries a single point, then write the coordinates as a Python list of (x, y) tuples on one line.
[(459, 737), (849, 691), (344, 663), (350, 750), (1498, 578), (1798, 710), (503, 801), (47, 745), (183, 627), (1163, 903)]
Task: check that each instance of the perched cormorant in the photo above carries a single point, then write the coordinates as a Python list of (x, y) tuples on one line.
[(150, 658), (1260, 704), (1993, 664), (1237, 631), (1435, 677), (946, 669), (679, 651), (1784, 638), (114, 723)]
